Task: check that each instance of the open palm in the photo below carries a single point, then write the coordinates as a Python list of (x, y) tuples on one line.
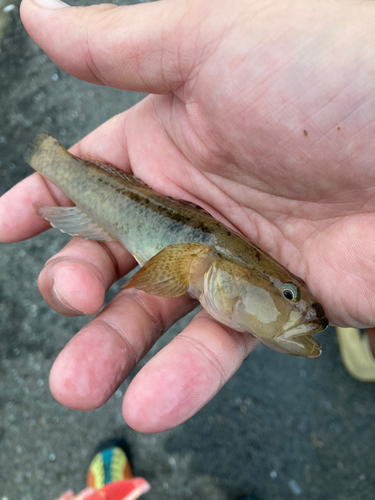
[(261, 113)]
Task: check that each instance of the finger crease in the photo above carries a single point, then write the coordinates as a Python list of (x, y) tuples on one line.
[(128, 346), (66, 259), (209, 354), (113, 260), (156, 318), (43, 179)]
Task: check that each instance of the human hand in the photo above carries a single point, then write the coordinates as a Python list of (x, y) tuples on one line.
[(238, 85)]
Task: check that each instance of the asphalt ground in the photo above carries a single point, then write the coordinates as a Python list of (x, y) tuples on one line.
[(281, 428)]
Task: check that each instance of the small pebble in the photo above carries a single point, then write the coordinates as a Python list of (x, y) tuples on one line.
[(294, 486), (9, 8), (55, 77), (52, 457), (2, 139), (40, 383), (362, 477), (273, 474), (118, 394), (327, 405), (318, 443)]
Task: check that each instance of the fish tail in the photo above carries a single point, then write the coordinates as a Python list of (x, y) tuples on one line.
[(46, 155), (35, 146)]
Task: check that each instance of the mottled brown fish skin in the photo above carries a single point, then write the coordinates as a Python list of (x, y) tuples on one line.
[(146, 222), (95, 190)]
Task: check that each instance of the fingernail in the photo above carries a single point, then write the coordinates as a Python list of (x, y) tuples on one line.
[(51, 4)]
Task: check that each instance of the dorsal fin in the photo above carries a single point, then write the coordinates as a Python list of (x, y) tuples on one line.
[(111, 169), (194, 205)]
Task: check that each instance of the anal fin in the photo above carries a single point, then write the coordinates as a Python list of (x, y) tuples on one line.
[(72, 221)]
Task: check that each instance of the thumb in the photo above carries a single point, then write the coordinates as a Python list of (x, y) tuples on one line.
[(128, 47)]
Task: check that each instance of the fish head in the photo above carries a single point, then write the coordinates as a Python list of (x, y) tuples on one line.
[(270, 303)]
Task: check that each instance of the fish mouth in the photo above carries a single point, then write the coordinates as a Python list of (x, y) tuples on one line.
[(298, 339), (306, 328), (305, 346)]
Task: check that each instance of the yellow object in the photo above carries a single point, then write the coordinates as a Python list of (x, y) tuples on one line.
[(108, 466), (356, 354), (96, 472)]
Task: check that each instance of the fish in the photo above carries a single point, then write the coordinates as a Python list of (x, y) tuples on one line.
[(182, 250)]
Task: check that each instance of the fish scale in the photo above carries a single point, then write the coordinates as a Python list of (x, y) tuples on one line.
[(183, 250)]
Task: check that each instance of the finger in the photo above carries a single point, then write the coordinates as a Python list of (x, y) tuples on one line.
[(107, 142), (185, 375), (139, 39), (19, 219), (75, 280), (99, 358)]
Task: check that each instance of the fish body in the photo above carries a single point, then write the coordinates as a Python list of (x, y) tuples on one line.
[(182, 249)]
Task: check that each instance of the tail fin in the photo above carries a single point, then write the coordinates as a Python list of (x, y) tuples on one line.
[(34, 146)]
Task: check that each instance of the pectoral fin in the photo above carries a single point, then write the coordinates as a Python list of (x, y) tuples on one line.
[(168, 274)]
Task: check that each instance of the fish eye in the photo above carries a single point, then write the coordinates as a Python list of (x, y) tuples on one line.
[(290, 292)]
